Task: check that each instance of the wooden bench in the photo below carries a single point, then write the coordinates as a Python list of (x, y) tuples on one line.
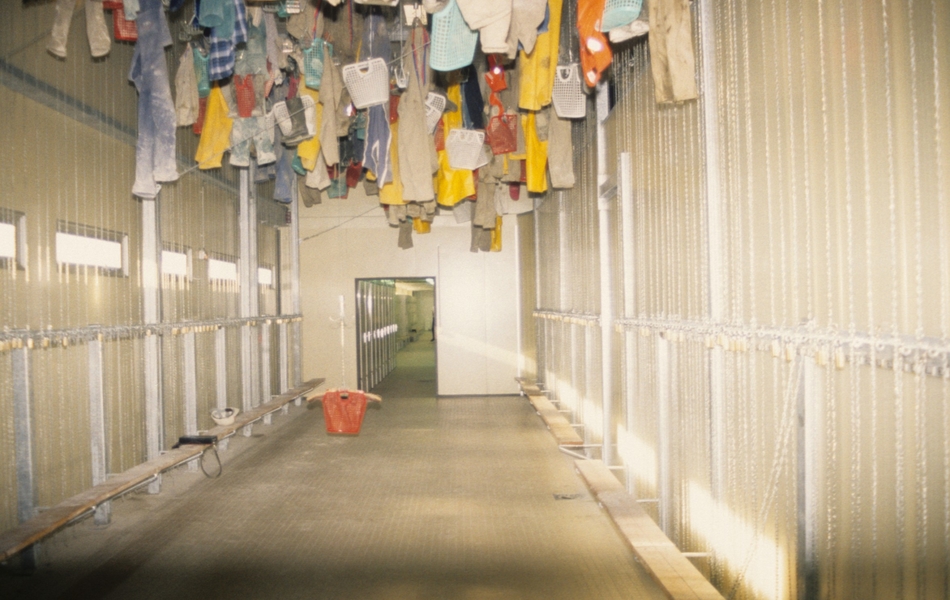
[(678, 577), (559, 426), (15, 540)]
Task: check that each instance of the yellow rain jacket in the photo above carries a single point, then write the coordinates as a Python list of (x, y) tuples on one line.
[(391, 193), (538, 68), (452, 185), (215, 133), (537, 155)]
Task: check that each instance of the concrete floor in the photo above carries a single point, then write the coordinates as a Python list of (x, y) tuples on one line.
[(436, 498)]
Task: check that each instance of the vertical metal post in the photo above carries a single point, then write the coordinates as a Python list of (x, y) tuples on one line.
[(221, 374), (296, 358), (190, 381), (540, 328), (664, 487), (628, 243), (589, 377), (282, 356), (247, 225), (152, 314), (23, 444), (97, 426), (716, 358), (606, 278), (264, 329), (810, 393)]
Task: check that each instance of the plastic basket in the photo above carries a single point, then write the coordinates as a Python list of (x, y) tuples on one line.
[(122, 29), (435, 105), (367, 82), (452, 45), (618, 13), (343, 411), (201, 73), (502, 133), (244, 94), (570, 101), (313, 64), (465, 148)]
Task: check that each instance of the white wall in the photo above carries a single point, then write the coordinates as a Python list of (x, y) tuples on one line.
[(476, 294)]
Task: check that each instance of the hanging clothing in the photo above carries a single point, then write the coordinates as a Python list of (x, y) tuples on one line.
[(539, 67), (376, 156), (671, 51), (251, 130), (216, 132), (155, 152), (392, 192), (637, 27), (560, 152), (492, 19), (452, 185), (308, 149), (537, 155), (224, 38), (186, 90), (526, 17), (595, 52), (416, 148), (331, 94), (405, 234), (96, 31)]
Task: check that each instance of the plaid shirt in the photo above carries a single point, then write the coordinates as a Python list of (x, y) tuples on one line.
[(221, 51)]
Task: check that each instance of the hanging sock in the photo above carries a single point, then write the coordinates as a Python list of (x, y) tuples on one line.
[(96, 31), (671, 51), (155, 153)]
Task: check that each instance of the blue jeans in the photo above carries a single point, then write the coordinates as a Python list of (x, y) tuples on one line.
[(155, 154)]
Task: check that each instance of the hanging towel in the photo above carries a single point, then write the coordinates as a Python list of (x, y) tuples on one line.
[(538, 67), (671, 51), (96, 31), (186, 90), (155, 152), (216, 132)]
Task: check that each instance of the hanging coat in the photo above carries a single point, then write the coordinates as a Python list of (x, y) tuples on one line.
[(416, 148), (538, 68)]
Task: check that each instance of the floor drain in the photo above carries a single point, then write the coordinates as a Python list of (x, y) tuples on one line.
[(567, 496)]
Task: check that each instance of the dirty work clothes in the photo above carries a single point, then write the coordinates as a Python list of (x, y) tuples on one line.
[(96, 30), (526, 17), (248, 130), (537, 154), (155, 149), (253, 60), (131, 9), (216, 133), (224, 38), (186, 90), (491, 18), (560, 152), (671, 51), (637, 27), (331, 95), (416, 148)]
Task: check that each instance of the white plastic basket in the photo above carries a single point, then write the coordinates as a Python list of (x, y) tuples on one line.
[(367, 82), (435, 106), (465, 148), (570, 101)]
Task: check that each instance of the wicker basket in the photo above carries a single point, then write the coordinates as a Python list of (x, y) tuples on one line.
[(367, 82), (570, 101), (465, 148)]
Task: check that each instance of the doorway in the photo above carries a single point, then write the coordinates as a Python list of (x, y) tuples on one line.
[(396, 326)]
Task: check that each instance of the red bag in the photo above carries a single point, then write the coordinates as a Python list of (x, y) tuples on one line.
[(122, 29), (502, 133), (244, 93)]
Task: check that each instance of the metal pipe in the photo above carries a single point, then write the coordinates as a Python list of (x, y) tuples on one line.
[(606, 275)]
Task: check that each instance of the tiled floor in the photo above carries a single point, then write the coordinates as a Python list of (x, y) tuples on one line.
[(436, 498)]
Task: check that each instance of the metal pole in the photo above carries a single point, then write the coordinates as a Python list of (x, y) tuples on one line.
[(541, 360), (810, 393), (628, 243), (97, 426), (296, 361), (23, 444), (190, 379), (606, 277), (664, 487), (221, 374), (152, 350)]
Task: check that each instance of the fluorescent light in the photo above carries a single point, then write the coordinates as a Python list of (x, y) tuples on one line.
[(222, 270), (265, 276), (174, 263), (72, 249), (7, 240)]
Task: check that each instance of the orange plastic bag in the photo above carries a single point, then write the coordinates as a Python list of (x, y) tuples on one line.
[(595, 51)]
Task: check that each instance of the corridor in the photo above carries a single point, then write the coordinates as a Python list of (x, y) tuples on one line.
[(455, 497)]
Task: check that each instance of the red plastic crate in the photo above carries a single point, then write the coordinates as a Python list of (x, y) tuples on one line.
[(343, 411)]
